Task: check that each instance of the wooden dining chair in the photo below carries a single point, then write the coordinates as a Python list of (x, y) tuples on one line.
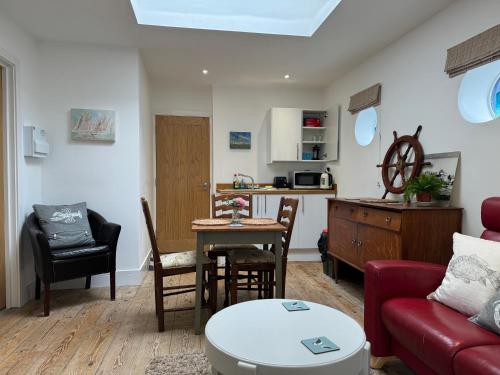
[(166, 265), (222, 210), (263, 262)]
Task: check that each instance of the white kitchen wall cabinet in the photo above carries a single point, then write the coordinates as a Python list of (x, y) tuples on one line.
[(284, 135), (288, 140)]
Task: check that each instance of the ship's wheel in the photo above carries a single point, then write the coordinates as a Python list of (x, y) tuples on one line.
[(403, 161)]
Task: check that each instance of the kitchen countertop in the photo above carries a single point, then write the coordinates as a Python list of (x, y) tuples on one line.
[(223, 190)]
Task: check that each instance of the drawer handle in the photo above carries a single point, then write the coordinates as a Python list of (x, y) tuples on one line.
[(336, 207), (388, 220), (353, 242), (365, 213), (352, 210), (360, 243)]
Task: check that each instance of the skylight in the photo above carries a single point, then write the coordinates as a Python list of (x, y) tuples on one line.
[(282, 17)]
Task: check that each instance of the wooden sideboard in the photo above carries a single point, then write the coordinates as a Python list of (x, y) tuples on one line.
[(359, 232)]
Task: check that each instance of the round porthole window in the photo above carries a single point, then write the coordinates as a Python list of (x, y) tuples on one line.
[(366, 126), (479, 94)]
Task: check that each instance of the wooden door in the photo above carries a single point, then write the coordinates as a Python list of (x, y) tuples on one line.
[(2, 207), (378, 244), (343, 241), (182, 179)]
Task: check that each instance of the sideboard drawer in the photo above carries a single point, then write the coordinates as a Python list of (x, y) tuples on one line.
[(380, 218), (345, 211)]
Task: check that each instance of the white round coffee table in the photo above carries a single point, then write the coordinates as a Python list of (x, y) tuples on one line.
[(262, 337)]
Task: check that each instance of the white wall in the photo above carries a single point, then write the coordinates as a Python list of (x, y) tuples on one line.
[(415, 90), (22, 48), (245, 109), (105, 175), (184, 100), (146, 150)]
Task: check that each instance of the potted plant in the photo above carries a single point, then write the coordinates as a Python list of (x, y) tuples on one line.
[(424, 187)]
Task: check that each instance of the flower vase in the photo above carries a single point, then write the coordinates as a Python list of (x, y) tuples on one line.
[(235, 219)]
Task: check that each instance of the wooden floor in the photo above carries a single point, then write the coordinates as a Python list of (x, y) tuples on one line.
[(88, 333)]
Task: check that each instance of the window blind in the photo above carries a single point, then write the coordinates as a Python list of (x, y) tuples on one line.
[(365, 99), (476, 51)]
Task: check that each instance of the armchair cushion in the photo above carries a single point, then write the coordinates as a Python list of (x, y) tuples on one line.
[(478, 360), (75, 252), (432, 332), (65, 225)]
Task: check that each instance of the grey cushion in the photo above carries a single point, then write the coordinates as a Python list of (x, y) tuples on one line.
[(489, 316), (250, 256), (79, 251), (65, 225)]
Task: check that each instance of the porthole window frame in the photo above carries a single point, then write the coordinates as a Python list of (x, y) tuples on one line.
[(476, 94), (359, 115), (494, 97)]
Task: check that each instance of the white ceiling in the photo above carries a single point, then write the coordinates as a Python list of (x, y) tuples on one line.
[(354, 31)]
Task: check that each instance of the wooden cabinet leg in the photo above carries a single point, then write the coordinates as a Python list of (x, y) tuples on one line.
[(46, 299), (336, 270)]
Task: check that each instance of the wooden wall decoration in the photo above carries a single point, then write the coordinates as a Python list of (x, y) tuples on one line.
[(400, 166)]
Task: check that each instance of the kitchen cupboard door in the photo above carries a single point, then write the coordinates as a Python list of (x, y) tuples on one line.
[(256, 202), (313, 213), (378, 244), (342, 243), (331, 124), (284, 141), (271, 205)]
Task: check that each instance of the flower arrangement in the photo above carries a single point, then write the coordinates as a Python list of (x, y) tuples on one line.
[(237, 203)]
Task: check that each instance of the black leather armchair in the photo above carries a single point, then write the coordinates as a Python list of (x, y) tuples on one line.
[(65, 264)]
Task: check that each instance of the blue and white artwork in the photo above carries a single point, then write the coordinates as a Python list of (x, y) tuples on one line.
[(92, 125), (240, 140)]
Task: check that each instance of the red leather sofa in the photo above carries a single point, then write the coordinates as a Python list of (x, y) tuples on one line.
[(428, 336)]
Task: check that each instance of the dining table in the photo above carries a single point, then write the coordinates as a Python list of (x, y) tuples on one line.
[(260, 232)]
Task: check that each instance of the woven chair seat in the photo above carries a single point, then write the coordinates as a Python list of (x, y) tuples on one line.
[(182, 259), (250, 257)]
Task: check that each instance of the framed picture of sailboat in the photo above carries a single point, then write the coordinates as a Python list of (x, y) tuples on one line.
[(93, 125)]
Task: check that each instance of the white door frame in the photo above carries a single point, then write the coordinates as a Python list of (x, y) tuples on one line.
[(12, 135)]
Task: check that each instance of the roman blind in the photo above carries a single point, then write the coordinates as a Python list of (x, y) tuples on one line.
[(476, 51), (365, 99)]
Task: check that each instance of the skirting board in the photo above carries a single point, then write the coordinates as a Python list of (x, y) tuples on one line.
[(304, 255)]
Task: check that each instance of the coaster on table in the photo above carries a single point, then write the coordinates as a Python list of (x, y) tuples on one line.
[(212, 221), (262, 221), (295, 306), (319, 345)]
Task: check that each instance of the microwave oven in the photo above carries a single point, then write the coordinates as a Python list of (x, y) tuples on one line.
[(305, 179)]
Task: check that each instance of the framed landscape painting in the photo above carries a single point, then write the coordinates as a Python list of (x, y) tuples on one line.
[(93, 125), (240, 140)]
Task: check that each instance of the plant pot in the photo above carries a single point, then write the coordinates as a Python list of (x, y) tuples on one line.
[(424, 196)]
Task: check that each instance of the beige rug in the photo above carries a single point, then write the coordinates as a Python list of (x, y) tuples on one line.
[(197, 364)]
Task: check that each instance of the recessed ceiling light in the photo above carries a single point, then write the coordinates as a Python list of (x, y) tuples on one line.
[(204, 71), (287, 76)]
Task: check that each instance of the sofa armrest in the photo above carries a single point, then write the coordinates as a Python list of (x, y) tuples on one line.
[(41, 254), (389, 279)]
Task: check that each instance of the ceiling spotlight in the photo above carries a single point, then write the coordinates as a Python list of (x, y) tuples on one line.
[(204, 71), (287, 76)]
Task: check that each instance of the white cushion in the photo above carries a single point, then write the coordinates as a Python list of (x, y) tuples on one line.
[(250, 256), (473, 275), (183, 259)]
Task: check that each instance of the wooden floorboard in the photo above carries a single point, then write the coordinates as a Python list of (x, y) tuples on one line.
[(86, 333)]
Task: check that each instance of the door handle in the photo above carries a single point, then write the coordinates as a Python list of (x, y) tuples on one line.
[(205, 185), (303, 206), (297, 151), (265, 204)]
